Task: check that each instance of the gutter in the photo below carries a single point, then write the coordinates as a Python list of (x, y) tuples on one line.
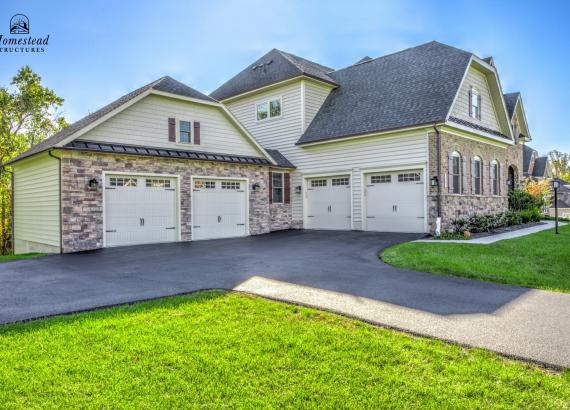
[(438, 170), (60, 207)]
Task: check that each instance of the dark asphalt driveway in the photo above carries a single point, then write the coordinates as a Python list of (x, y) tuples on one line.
[(344, 262)]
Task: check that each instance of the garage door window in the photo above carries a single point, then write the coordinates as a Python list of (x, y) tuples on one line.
[(381, 179), (230, 185), (411, 177), (318, 182), (340, 181), (157, 183), (124, 182), (204, 184)]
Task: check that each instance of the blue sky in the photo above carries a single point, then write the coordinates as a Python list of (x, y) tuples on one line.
[(100, 50)]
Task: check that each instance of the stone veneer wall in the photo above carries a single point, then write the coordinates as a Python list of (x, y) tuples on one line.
[(454, 206), (82, 207)]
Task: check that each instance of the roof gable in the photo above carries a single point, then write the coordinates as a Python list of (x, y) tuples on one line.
[(271, 68), (412, 87)]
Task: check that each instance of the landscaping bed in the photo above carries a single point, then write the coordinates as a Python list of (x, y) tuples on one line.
[(216, 349)]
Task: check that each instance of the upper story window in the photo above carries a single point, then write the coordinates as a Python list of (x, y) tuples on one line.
[(477, 173), (268, 109), (474, 104), (277, 187), (455, 173), (185, 132), (495, 177)]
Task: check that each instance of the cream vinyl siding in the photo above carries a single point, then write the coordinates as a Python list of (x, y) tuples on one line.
[(315, 96), (477, 80), (36, 205), (348, 157), (146, 123)]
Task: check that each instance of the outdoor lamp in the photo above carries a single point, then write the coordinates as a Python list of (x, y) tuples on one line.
[(555, 184), (433, 181), (298, 189), (93, 183), (255, 187)]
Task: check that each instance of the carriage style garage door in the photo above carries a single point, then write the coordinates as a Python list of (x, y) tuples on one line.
[(395, 201), (328, 203), (219, 209), (140, 209)]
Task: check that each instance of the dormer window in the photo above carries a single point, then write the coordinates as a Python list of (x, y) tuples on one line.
[(268, 109), (474, 104)]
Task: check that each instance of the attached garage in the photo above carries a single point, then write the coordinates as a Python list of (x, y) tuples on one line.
[(328, 203), (219, 208), (395, 201), (140, 209)]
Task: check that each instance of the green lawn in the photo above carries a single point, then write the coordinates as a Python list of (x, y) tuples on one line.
[(540, 260), (7, 258), (214, 349)]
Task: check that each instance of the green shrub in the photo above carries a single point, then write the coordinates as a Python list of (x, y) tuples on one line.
[(446, 236), (488, 223), (531, 215), (520, 200)]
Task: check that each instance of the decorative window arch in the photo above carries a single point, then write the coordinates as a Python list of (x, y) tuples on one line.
[(494, 174), (477, 175), (455, 173)]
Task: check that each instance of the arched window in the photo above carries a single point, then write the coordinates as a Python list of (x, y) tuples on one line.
[(455, 173), (476, 174), (494, 177)]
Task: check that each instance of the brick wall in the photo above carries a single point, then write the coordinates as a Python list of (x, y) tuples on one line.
[(82, 207)]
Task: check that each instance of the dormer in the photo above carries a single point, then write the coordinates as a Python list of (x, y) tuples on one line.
[(517, 117)]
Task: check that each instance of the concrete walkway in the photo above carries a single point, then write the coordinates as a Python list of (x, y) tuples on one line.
[(487, 240), (338, 271)]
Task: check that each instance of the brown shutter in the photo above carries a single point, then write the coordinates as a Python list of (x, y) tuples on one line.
[(469, 104), (171, 130), (480, 108), (500, 184), (450, 174), (196, 133), (287, 188), (270, 187)]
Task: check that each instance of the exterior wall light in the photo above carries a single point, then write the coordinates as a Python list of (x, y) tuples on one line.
[(433, 181), (93, 183), (255, 187), (298, 189)]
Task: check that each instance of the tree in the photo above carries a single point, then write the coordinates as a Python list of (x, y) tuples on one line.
[(560, 163), (29, 112), (541, 190)]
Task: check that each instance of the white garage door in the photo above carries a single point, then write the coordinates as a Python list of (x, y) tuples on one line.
[(395, 201), (219, 209), (140, 209), (328, 203)]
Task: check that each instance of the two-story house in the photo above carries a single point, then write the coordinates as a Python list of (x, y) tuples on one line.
[(399, 143)]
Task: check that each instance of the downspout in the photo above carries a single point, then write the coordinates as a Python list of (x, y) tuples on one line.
[(60, 205), (438, 173)]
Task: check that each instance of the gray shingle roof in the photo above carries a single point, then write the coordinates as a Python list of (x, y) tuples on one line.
[(273, 67), (279, 158), (476, 126), (165, 84), (511, 102), (540, 165), (415, 86), (527, 156)]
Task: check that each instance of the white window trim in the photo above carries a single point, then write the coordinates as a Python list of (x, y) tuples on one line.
[(456, 154), (481, 181), (497, 176), (476, 92), (178, 142), (282, 187), (268, 101)]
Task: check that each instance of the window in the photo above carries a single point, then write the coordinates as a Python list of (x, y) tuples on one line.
[(199, 184), (318, 182), (277, 187), (477, 180), (411, 177), (474, 104), (231, 185), (123, 181), (495, 177), (381, 179), (185, 132), (157, 183), (455, 173), (340, 181), (268, 109)]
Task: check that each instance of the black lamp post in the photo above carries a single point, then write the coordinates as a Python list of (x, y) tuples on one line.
[(556, 185)]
